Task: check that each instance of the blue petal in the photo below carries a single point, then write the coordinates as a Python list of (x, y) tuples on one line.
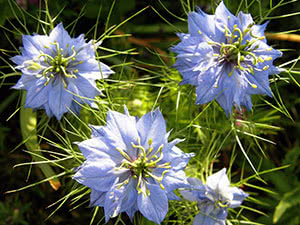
[(98, 149), (206, 89), (175, 156), (59, 99), (113, 200), (154, 206), (225, 104), (129, 197), (245, 19), (238, 197), (97, 198), (197, 190), (33, 44), (75, 107), (218, 180), (259, 30), (61, 36), (25, 82), (173, 180), (96, 131), (121, 131), (200, 21), (95, 175), (172, 196), (202, 219), (261, 79), (37, 95), (152, 126), (48, 110), (120, 199), (84, 90), (192, 65), (19, 59), (247, 102), (224, 17), (91, 69), (131, 211)]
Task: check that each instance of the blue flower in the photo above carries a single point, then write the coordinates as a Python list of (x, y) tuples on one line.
[(214, 198), (130, 166), (58, 72), (226, 57)]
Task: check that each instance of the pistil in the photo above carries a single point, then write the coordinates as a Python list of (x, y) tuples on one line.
[(57, 64), (142, 167)]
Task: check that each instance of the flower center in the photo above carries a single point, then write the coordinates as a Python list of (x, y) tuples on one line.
[(235, 51), (238, 52), (142, 167), (221, 201), (58, 63)]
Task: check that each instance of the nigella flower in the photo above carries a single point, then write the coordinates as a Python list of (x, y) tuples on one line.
[(214, 198), (130, 166), (226, 57), (58, 71)]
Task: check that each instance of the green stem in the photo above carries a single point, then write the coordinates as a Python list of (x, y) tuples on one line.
[(28, 124), (140, 220)]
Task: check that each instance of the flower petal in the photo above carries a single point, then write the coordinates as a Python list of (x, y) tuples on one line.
[(97, 198), (98, 176), (202, 219), (152, 126), (99, 149), (218, 180), (154, 206), (59, 99), (121, 131)]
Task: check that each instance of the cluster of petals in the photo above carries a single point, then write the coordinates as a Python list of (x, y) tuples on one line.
[(213, 198), (59, 72), (130, 166), (225, 57)]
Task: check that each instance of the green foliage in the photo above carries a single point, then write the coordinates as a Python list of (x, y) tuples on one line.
[(255, 146), (285, 196), (13, 211)]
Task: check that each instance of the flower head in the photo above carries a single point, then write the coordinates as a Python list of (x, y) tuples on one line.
[(58, 71), (226, 57), (214, 198), (130, 166)]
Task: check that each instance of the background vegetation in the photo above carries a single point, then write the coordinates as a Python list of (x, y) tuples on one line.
[(267, 138)]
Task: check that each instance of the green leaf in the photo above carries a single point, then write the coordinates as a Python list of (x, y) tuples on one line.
[(289, 199), (147, 222), (28, 123)]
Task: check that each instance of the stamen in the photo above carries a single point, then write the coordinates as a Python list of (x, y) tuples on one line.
[(268, 58), (239, 62), (252, 35), (252, 55), (34, 66), (223, 204), (159, 149), (46, 56), (235, 28), (71, 57), (265, 68), (231, 72), (139, 147), (260, 59), (217, 81), (213, 43), (124, 154)]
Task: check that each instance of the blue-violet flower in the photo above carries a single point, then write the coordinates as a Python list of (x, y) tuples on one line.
[(130, 166), (226, 57), (213, 198), (58, 71)]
